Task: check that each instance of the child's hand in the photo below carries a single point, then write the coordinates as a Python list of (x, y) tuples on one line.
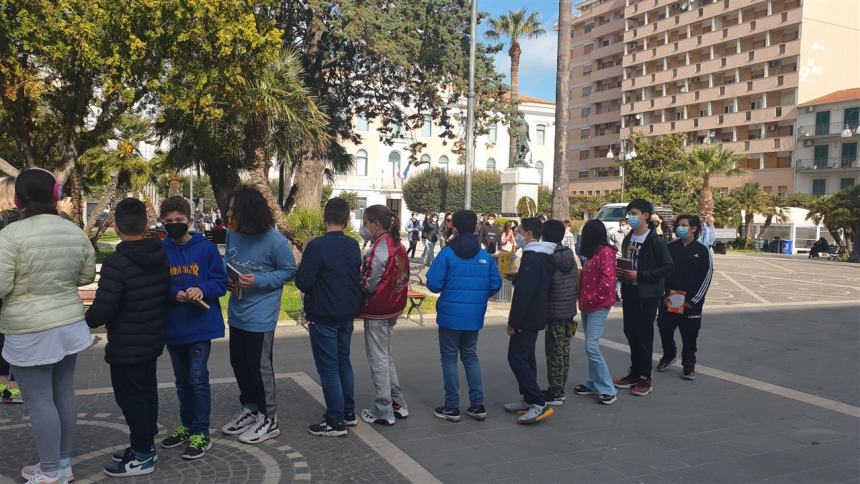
[(194, 294), (511, 331), (630, 275), (246, 280), (182, 297)]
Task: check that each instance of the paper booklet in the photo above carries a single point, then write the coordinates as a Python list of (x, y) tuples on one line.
[(676, 301), (233, 275)]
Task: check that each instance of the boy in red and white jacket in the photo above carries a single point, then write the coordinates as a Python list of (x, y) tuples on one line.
[(385, 283)]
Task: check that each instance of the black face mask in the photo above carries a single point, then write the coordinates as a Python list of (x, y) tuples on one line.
[(177, 230)]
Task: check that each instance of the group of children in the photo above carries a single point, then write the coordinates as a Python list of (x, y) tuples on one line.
[(154, 293)]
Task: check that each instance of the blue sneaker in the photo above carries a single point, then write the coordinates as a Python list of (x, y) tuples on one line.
[(134, 464)]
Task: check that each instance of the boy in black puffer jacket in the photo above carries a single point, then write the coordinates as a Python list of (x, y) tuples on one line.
[(560, 325), (131, 301)]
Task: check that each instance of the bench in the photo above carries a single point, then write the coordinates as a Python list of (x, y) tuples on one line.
[(416, 299)]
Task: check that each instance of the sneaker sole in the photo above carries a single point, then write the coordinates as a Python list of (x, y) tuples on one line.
[(401, 416), (117, 461), (624, 386), (270, 435), (226, 431), (688, 377), (555, 403), (642, 394), (667, 366), (449, 418), (141, 472), (351, 423), (549, 411), (193, 457), (589, 392), (329, 433), (608, 402), (175, 445), (517, 410), (477, 416), (27, 477)]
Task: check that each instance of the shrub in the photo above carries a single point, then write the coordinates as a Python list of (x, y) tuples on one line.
[(351, 198), (545, 200), (307, 223), (436, 190), (526, 207)]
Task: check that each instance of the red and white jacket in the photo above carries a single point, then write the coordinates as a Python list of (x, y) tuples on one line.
[(597, 290), (384, 279)]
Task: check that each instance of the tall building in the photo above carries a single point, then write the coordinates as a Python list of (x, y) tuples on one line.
[(728, 72)]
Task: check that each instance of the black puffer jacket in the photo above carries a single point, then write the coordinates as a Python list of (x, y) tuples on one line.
[(131, 301), (654, 265), (565, 281)]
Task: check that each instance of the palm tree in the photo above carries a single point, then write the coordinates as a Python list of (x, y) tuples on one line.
[(704, 163), (751, 199), (514, 25)]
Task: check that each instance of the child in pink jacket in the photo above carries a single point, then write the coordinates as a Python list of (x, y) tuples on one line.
[(596, 298)]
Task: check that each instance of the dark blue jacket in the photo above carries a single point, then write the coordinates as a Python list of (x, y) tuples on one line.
[(467, 277), (196, 263), (329, 277)]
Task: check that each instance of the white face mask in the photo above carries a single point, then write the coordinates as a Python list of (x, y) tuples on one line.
[(520, 240)]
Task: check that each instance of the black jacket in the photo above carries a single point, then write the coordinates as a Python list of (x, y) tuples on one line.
[(653, 265), (692, 274), (530, 303), (490, 235), (430, 231), (329, 277), (565, 281), (131, 301)]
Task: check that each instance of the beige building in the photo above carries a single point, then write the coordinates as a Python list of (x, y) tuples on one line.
[(380, 169), (730, 72), (826, 158)]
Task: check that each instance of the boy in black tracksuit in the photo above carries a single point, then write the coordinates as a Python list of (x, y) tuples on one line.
[(529, 312), (692, 275), (642, 288), (131, 301)]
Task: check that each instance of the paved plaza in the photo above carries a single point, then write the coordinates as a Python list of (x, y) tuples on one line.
[(777, 399)]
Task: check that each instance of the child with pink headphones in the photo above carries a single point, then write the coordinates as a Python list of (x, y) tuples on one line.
[(43, 260)]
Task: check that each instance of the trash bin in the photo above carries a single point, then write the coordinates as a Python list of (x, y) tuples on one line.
[(786, 247)]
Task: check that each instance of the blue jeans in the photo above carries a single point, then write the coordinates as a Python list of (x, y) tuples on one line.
[(429, 249), (190, 368), (452, 341), (330, 347), (599, 378)]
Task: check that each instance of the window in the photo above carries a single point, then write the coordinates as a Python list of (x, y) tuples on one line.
[(584, 133), (589, 28), (583, 154), (491, 164), (427, 127), (819, 186), (394, 159), (541, 134), (606, 65), (539, 166), (782, 190), (396, 128), (851, 117), (729, 108), (586, 112), (756, 105), (846, 183), (493, 133), (605, 43), (443, 162), (821, 152), (425, 160), (849, 154), (586, 91), (822, 122), (360, 205), (361, 123), (361, 163)]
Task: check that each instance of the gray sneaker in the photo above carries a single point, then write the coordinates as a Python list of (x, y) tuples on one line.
[(516, 407), (535, 414)]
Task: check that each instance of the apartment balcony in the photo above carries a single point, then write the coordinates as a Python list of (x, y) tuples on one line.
[(599, 10), (827, 130), (600, 96), (681, 18), (604, 140), (616, 25), (764, 145), (830, 165), (607, 73), (602, 118), (610, 50)]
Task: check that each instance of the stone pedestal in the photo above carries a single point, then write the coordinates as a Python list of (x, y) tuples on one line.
[(518, 182)]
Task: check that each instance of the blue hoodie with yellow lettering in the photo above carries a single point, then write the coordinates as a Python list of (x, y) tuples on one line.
[(195, 263)]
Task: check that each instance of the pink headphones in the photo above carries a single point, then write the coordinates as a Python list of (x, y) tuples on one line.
[(56, 193)]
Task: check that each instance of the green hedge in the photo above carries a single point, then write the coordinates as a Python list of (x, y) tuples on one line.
[(436, 190)]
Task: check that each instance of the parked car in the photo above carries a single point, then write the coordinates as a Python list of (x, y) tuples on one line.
[(611, 213)]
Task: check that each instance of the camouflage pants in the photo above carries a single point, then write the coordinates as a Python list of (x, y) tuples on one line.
[(557, 349)]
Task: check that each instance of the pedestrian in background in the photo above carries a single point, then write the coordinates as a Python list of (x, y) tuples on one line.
[(329, 278), (661, 228), (508, 237), (689, 283), (385, 282), (447, 230), (430, 231), (648, 263), (413, 233), (569, 239), (596, 298), (43, 261), (466, 276), (560, 326), (489, 236)]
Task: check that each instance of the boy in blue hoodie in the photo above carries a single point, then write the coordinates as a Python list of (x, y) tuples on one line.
[(197, 280), (467, 277), (260, 261)]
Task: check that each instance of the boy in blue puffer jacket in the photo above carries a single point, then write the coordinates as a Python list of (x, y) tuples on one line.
[(467, 277)]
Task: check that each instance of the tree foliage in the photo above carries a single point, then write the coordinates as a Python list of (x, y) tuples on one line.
[(654, 168), (703, 163), (751, 199), (437, 190), (840, 211)]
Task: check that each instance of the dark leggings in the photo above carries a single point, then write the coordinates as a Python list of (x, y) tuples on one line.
[(5, 369)]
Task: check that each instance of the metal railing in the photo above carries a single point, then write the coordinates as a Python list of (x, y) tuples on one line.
[(828, 164), (829, 129)]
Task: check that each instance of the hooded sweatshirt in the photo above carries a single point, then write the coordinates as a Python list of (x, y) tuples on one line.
[(467, 277), (131, 301), (530, 303), (195, 263), (563, 292)]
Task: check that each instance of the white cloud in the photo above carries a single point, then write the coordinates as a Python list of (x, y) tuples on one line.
[(537, 60)]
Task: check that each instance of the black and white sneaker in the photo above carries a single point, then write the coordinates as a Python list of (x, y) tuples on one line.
[(240, 422), (266, 428), (133, 464), (369, 418), (400, 411), (664, 365), (121, 455), (689, 372), (478, 412), (554, 400), (198, 444), (350, 420), (449, 414), (606, 399), (583, 390), (325, 430)]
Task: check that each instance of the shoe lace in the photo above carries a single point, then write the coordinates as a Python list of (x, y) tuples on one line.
[(180, 432), (198, 441), (262, 423), (15, 392)]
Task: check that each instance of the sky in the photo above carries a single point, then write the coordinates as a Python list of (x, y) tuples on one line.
[(537, 64)]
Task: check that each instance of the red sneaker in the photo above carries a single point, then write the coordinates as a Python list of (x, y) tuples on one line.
[(642, 387), (628, 381)]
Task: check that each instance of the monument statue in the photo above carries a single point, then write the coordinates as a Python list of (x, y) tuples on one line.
[(521, 133)]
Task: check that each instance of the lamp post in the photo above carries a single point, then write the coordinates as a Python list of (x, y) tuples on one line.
[(623, 156), (470, 109)]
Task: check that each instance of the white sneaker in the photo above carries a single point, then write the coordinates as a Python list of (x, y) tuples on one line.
[(27, 472), (242, 421), (39, 477), (516, 407), (264, 429), (535, 413)]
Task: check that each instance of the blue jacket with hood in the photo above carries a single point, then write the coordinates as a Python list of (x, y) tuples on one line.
[(467, 277), (195, 263)]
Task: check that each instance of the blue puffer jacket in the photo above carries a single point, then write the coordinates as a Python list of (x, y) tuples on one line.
[(467, 277)]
